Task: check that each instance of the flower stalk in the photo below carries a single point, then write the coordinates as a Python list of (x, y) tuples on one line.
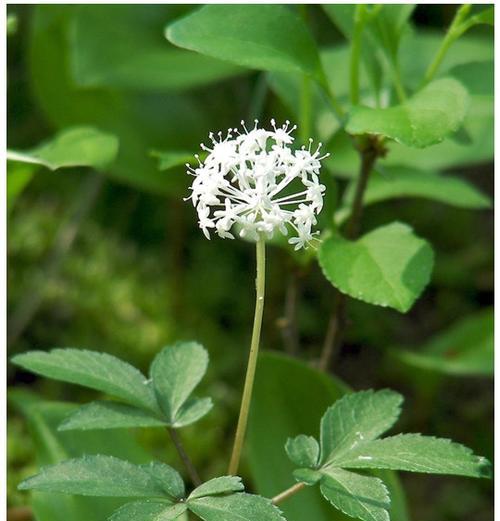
[(252, 359)]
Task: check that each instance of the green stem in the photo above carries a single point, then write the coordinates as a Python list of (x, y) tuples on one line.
[(252, 359), (359, 23), (454, 31), (193, 474), (287, 493)]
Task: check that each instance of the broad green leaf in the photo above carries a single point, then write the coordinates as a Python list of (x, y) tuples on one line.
[(93, 369), (303, 450), (97, 476), (131, 53), (292, 396), (175, 372), (192, 410), (141, 121), (222, 485), (415, 453), (51, 447), (149, 511), (355, 418), (79, 146), (423, 120), (400, 182), (18, 177), (269, 37), (464, 349), (362, 497), (389, 266), (109, 415), (235, 507)]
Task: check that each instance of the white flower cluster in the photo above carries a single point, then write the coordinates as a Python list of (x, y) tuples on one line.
[(254, 180)]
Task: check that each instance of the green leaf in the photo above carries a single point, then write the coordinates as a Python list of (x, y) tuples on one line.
[(79, 146), (168, 477), (130, 53), (467, 348), (12, 24), (109, 415), (362, 497), (192, 410), (477, 76), (401, 182), (97, 476), (235, 507), (292, 396), (52, 446), (141, 121), (175, 372), (389, 266), (303, 450), (99, 371), (268, 37), (222, 485), (355, 418), (308, 476), (423, 120), (149, 511), (415, 453)]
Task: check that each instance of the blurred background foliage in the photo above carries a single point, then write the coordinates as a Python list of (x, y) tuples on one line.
[(108, 256)]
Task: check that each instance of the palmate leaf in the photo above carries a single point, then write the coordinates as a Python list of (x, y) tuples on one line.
[(363, 497), (109, 415), (149, 511), (357, 417), (268, 37), (235, 507), (389, 266), (107, 476), (423, 120), (415, 453), (349, 432), (175, 372), (79, 146), (92, 369)]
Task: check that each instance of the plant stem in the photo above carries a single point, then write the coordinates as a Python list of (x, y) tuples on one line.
[(369, 154), (193, 474), (454, 31), (359, 22), (252, 359), (288, 492)]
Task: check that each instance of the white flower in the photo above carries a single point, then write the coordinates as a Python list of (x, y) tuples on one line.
[(253, 180)]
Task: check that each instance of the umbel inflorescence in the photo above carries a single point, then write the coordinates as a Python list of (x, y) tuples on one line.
[(254, 181)]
